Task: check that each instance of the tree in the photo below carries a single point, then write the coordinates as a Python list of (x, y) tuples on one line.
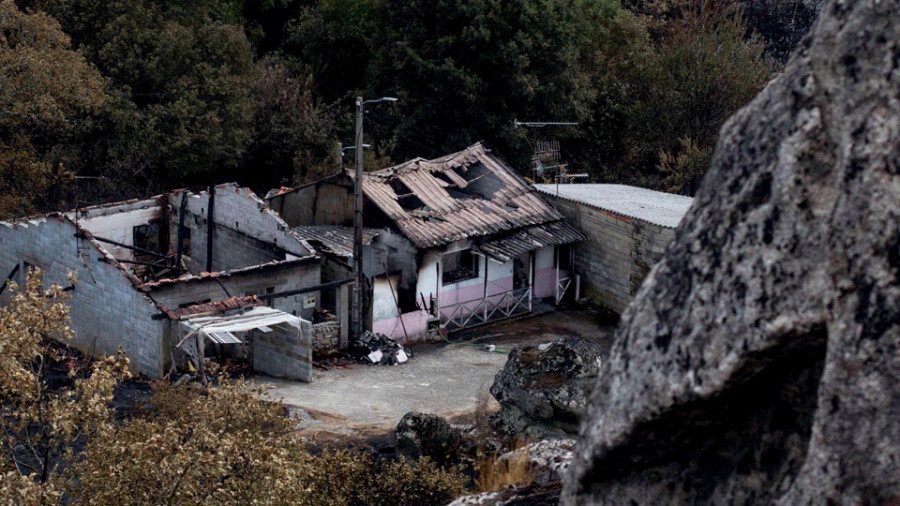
[(221, 445), (182, 110), (48, 93), (41, 428), (686, 84), (466, 71), (225, 445), (293, 132)]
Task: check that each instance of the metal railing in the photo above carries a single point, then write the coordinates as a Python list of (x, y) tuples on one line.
[(494, 307), (562, 286)]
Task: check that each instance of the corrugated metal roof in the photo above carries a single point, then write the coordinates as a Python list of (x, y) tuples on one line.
[(508, 246), (494, 201), (335, 239), (214, 307), (220, 328), (658, 208)]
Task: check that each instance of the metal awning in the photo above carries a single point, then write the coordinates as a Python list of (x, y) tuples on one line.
[(221, 328), (508, 246)]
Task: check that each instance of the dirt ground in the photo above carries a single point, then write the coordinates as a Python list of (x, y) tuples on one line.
[(446, 379)]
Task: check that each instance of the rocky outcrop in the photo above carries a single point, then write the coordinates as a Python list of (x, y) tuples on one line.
[(427, 435), (759, 362), (538, 495), (547, 459), (542, 390)]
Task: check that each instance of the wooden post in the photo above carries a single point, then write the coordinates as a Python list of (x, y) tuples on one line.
[(210, 216), (179, 248), (556, 286), (485, 301), (530, 278)]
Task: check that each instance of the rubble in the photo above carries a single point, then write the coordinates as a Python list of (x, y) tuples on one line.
[(542, 390), (379, 349)]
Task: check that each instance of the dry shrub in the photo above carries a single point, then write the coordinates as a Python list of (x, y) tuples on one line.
[(225, 445), (192, 445), (497, 472), (493, 472)]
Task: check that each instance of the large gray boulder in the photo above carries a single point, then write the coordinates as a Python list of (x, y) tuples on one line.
[(543, 390), (760, 361)]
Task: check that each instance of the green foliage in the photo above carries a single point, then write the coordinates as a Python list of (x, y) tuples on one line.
[(164, 93), (48, 93), (335, 38), (465, 71), (293, 141), (686, 84), (683, 170)]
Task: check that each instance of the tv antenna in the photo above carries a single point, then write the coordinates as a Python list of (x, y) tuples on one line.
[(546, 155)]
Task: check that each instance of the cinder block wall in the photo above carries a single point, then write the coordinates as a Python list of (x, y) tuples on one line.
[(107, 311), (244, 234), (249, 282), (280, 355), (617, 254)]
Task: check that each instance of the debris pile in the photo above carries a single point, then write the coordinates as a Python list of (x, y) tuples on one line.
[(379, 349)]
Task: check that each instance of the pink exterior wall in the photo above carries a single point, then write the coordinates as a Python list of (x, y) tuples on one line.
[(545, 281), (474, 293), (416, 327)]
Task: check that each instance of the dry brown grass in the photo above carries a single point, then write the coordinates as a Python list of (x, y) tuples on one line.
[(496, 473)]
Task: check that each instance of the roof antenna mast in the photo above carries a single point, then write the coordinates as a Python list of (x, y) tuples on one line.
[(546, 154)]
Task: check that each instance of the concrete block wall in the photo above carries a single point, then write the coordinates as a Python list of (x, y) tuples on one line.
[(282, 278), (617, 255), (283, 355), (107, 312), (322, 203), (117, 223), (242, 221), (234, 250)]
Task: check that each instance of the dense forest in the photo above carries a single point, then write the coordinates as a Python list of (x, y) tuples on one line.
[(110, 99)]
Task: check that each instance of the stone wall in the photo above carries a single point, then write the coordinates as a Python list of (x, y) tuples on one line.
[(282, 355), (326, 338), (617, 254), (107, 311)]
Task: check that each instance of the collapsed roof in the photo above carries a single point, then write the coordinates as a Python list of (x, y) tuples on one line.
[(468, 194)]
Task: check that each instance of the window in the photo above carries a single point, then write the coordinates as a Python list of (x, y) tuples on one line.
[(186, 242), (458, 266), (146, 236)]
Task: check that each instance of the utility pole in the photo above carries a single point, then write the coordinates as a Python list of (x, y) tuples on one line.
[(359, 323)]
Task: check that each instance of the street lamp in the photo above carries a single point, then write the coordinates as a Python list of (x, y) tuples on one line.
[(359, 323)]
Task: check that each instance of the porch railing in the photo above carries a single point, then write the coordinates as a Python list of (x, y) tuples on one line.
[(562, 286), (494, 307)]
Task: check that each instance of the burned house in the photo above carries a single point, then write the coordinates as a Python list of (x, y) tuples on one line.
[(452, 242), (170, 278)]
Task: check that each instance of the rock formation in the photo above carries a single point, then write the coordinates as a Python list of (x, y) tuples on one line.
[(543, 390), (760, 361), (427, 435)]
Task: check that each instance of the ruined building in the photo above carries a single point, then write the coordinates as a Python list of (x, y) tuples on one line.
[(163, 276), (452, 242)]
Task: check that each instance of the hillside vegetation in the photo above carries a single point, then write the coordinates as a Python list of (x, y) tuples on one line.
[(148, 95)]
